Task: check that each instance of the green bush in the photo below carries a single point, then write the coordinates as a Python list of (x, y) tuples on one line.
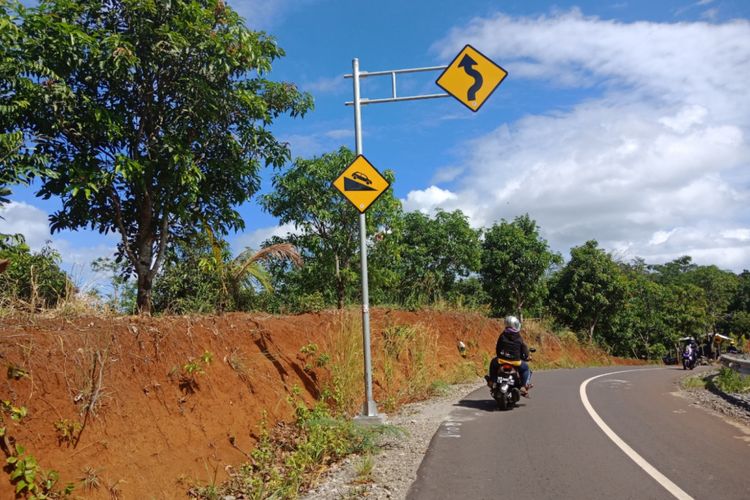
[(34, 278), (729, 380)]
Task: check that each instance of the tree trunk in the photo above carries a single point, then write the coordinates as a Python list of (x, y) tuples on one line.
[(143, 301), (145, 276)]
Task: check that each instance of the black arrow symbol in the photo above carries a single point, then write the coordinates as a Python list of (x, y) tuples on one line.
[(467, 63)]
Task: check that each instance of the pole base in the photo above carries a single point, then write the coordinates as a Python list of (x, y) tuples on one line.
[(368, 420), (370, 415)]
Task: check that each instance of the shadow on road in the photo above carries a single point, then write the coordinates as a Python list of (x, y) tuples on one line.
[(481, 404)]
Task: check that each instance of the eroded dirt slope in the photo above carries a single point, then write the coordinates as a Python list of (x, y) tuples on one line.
[(169, 402)]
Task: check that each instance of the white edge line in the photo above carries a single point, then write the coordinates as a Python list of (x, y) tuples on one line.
[(660, 478)]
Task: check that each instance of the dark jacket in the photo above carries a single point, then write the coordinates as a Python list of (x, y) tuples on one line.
[(510, 346)]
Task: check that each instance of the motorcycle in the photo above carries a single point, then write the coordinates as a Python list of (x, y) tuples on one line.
[(506, 389), (688, 360)]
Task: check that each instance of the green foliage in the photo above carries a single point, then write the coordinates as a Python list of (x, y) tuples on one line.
[(200, 276), (515, 262), (327, 228), (189, 281), (35, 278), (17, 75), (68, 431), (739, 307), (30, 480), (16, 413), (123, 292), (283, 463), (155, 118), (434, 254), (693, 382), (729, 380), (588, 291)]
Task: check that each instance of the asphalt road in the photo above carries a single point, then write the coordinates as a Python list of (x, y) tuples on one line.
[(550, 447)]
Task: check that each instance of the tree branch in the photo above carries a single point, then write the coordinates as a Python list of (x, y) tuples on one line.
[(162, 245), (121, 226)]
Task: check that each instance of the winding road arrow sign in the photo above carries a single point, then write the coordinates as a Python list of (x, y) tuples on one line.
[(471, 77)]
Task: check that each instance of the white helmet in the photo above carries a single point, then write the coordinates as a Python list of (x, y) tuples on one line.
[(512, 323)]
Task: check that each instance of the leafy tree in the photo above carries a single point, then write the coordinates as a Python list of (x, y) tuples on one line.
[(654, 315), (34, 278), (739, 307), (156, 119), (515, 261), (190, 281), (719, 288), (16, 165), (326, 224), (588, 290), (200, 276), (673, 272), (435, 253)]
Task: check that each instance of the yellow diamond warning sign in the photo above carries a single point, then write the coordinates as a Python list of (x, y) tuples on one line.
[(361, 183), (471, 77)]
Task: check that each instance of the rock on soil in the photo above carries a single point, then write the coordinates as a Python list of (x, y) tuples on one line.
[(397, 461)]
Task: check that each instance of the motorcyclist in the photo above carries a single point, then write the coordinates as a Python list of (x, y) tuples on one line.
[(511, 349), (732, 349)]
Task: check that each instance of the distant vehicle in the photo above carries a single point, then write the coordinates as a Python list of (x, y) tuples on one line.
[(361, 177)]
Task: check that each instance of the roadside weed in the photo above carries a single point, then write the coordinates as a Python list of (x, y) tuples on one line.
[(693, 382), (364, 469), (729, 380)]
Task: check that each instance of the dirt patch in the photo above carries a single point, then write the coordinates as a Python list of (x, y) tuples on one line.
[(146, 407)]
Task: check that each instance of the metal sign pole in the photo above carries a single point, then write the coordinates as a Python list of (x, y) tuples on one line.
[(369, 409), (454, 85)]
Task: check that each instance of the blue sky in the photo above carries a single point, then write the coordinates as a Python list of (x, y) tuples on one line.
[(624, 121)]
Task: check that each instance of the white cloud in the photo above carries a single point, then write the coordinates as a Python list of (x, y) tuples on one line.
[(686, 63), (428, 199), (254, 239), (657, 166), (22, 218), (660, 237), (742, 234)]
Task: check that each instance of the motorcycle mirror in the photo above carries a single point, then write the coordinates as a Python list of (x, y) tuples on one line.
[(532, 349)]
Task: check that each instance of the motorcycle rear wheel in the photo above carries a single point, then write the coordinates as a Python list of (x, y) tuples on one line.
[(502, 402)]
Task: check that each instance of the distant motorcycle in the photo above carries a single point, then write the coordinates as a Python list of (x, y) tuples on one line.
[(688, 360)]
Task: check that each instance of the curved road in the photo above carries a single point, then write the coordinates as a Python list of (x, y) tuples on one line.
[(551, 447)]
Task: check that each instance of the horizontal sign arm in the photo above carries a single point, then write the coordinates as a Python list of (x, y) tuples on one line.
[(394, 97)]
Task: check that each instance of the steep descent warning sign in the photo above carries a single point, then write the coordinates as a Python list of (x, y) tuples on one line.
[(471, 77), (361, 183)]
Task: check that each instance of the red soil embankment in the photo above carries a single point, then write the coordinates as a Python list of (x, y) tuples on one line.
[(152, 428)]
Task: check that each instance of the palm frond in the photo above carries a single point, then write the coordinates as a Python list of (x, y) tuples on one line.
[(284, 251)]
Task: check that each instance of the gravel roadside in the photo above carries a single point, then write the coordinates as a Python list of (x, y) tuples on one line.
[(396, 463), (736, 406)]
